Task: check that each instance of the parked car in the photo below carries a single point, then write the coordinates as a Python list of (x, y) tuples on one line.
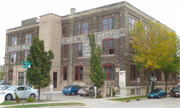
[(4, 87), (87, 90), (71, 89), (19, 90), (174, 92), (157, 93)]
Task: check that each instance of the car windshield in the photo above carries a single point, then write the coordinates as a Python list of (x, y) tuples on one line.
[(176, 89), (154, 91), (67, 87), (11, 88), (1, 87)]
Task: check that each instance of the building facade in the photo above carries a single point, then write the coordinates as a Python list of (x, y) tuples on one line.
[(67, 36)]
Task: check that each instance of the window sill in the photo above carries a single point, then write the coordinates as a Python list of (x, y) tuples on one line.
[(134, 81), (108, 55), (65, 58), (78, 80)]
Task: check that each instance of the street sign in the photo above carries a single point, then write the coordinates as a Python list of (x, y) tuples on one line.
[(26, 64), (153, 79), (122, 78)]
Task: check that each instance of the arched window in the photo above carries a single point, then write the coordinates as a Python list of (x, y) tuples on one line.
[(78, 73), (65, 73), (109, 70)]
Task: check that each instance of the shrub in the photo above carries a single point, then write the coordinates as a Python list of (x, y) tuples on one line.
[(107, 95), (99, 96), (29, 99), (17, 98), (114, 93)]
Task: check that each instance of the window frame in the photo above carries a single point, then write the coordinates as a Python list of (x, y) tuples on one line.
[(25, 56), (107, 23), (79, 74), (108, 39), (28, 38), (65, 52), (108, 73), (131, 24), (82, 31), (13, 43), (14, 58), (10, 76), (64, 33), (131, 73), (80, 50), (64, 73), (21, 78)]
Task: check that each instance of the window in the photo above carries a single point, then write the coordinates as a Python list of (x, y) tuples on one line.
[(173, 77), (83, 28), (131, 22), (28, 38), (78, 74), (13, 57), (65, 50), (108, 24), (158, 74), (134, 73), (13, 41), (65, 73), (10, 75), (80, 50), (21, 78), (109, 70), (108, 46), (132, 51), (55, 79), (64, 32), (26, 54), (146, 29)]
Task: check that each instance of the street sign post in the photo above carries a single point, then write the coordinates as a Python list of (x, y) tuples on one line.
[(26, 65)]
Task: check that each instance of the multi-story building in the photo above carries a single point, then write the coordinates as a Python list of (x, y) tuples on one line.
[(67, 37)]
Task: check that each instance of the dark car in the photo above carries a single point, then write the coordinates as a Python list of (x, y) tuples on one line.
[(71, 89), (174, 92), (157, 93)]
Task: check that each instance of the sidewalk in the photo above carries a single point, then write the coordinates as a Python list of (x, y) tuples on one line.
[(88, 103)]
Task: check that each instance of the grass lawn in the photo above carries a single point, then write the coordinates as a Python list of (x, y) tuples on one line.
[(48, 104), (128, 98), (8, 103)]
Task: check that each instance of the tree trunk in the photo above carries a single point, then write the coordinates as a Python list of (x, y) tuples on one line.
[(166, 84), (147, 81), (38, 93)]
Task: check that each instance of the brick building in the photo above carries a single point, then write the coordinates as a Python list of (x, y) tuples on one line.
[(67, 37)]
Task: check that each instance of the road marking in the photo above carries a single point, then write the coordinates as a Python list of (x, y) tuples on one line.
[(170, 105)]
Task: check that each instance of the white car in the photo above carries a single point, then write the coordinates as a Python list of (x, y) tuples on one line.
[(4, 87), (19, 90)]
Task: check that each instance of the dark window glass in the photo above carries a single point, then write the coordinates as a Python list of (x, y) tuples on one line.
[(78, 73), (108, 46), (108, 69), (108, 23)]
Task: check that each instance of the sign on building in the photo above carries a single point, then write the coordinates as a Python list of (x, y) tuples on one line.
[(122, 78)]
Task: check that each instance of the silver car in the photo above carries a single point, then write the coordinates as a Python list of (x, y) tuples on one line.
[(88, 90)]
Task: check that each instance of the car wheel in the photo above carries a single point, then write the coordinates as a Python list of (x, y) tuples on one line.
[(170, 95), (33, 96), (8, 97), (81, 95), (89, 94), (159, 96), (73, 93), (165, 96), (65, 94)]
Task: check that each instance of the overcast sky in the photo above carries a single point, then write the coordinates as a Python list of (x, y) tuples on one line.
[(12, 12)]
